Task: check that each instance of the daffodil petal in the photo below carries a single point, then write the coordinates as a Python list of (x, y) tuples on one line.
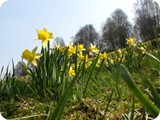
[(25, 54), (38, 55), (34, 62), (44, 43)]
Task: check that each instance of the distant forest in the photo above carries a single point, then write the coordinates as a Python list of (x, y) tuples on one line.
[(117, 28)]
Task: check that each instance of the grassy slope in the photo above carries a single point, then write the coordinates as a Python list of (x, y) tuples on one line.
[(103, 86)]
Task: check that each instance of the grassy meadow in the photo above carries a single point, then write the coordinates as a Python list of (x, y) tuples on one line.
[(74, 83)]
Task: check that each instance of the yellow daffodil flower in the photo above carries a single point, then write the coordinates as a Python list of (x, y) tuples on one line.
[(71, 49), (80, 57), (45, 36), (111, 60), (80, 48), (71, 72), (87, 65), (93, 49), (142, 49), (106, 63), (119, 51), (102, 55), (31, 57), (98, 63), (131, 42), (87, 58)]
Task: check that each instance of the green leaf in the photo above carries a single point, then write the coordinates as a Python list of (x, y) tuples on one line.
[(90, 74), (148, 105), (152, 56), (60, 106), (34, 50), (156, 97), (132, 112)]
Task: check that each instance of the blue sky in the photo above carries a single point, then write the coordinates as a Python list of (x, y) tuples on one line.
[(20, 18)]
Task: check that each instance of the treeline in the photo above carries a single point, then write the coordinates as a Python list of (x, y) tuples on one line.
[(117, 28)]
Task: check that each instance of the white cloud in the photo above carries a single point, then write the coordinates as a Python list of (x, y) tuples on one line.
[(2, 2)]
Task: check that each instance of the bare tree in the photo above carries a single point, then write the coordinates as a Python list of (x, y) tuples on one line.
[(116, 30), (147, 19), (20, 69), (59, 41), (86, 35)]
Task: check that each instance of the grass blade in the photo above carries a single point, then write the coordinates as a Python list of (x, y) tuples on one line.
[(1, 73)]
